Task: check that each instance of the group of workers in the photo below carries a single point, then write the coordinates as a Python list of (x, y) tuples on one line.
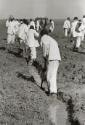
[(75, 30), (32, 34)]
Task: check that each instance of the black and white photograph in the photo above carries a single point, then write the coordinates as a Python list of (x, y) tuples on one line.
[(42, 62)]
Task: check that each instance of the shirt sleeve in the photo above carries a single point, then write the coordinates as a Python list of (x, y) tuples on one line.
[(7, 23), (81, 28), (36, 34), (41, 42)]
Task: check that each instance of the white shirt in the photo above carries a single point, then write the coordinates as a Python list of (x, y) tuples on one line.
[(23, 30), (11, 27), (17, 24), (32, 41), (50, 48), (32, 23), (73, 28), (37, 25), (67, 24), (52, 26), (82, 27)]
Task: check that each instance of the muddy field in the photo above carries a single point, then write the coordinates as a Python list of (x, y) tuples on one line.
[(22, 102)]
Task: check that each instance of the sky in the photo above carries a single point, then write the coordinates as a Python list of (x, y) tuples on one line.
[(57, 9)]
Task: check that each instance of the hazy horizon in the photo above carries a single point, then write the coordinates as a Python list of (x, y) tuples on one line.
[(56, 9)]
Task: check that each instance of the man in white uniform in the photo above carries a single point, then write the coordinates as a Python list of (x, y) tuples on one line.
[(76, 34), (32, 42), (22, 34), (82, 28), (51, 26), (67, 26), (17, 24), (32, 23), (52, 54), (10, 24), (37, 25)]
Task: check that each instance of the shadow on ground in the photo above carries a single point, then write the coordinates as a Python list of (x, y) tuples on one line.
[(2, 48), (31, 79), (17, 54), (70, 109)]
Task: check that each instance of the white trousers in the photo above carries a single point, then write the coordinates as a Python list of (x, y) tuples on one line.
[(33, 52), (83, 34), (52, 75), (10, 39), (66, 32), (51, 29), (78, 38), (78, 41)]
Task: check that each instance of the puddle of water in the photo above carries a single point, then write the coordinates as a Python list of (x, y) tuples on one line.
[(57, 113)]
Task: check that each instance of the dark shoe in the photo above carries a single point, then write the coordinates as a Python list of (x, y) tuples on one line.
[(75, 49), (30, 62), (48, 93), (53, 94), (27, 60)]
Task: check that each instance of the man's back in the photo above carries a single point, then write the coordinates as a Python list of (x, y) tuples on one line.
[(31, 37), (23, 29), (66, 24), (51, 46)]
